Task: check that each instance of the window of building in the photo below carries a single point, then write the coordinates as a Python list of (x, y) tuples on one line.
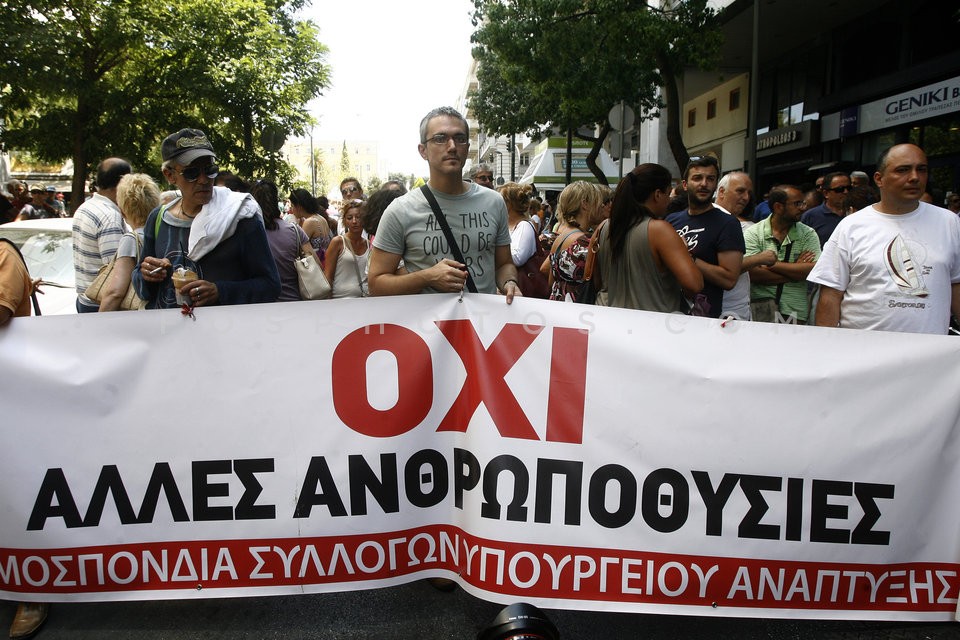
[(712, 109), (734, 99), (691, 117)]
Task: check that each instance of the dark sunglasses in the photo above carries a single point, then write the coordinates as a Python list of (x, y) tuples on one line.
[(351, 189), (192, 174), (839, 189)]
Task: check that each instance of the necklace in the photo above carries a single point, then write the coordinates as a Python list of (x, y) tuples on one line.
[(181, 213)]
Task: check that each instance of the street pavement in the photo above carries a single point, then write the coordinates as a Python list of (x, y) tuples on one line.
[(416, 611)]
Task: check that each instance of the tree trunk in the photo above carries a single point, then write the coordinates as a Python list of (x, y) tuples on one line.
[(79, 183), (595, 153), (674, 133)]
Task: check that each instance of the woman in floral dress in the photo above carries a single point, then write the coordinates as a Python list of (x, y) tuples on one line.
[(580, 209)]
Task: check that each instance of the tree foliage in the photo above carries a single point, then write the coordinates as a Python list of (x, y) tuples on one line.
[(89, 79), (565, 63), (323, 170), (345, 170), (406, 179)]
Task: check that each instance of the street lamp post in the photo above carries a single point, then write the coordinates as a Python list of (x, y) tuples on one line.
[(313, 167)]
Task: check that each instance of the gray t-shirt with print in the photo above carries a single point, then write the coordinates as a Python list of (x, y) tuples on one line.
[(477, 218)]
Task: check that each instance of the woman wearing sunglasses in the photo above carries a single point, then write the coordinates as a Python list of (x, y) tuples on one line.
[(215, 235)]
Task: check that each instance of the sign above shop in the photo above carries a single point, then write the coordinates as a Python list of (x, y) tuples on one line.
[(797, 136), (918, 104)]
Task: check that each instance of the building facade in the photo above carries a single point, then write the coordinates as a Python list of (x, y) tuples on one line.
[(837, 82)]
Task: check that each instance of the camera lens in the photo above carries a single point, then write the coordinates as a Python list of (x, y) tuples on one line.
[(520, 621)]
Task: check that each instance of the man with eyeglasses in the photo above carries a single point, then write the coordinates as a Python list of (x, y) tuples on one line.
[(97, 229), (893, 265), (482, 174), (825, 218), (350, 189), (477, 217), (213, 232), (781, 287), (714, 238)]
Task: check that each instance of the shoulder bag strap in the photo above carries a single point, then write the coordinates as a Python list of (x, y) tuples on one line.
[(786, 258), (592, 253), (356, 266), (33, 294), (454, 247), (156, 226), (296, 240), (558, 243)]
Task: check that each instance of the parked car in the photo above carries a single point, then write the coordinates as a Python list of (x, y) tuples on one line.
[(47, 246)]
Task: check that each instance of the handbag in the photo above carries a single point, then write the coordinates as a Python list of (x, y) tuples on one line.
[(591, 288), (534, 283), (131, 301), (311, 280)]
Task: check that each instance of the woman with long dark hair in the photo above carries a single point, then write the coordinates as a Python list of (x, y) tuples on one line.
[(286, 240), (643, 263), (312, 220)]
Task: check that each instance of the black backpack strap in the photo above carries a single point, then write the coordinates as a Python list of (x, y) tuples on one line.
[(33, 294), (454, 247)]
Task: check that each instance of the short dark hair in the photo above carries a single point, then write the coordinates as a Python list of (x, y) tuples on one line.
[(376, 205), (701, 161), (349, 180), (830, 177), (110, 171), (859, 198), (779, 195)]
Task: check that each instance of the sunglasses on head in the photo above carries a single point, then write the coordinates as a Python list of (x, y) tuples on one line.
[(700, 161), (192, 174)]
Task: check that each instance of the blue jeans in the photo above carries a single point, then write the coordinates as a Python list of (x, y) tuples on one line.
[(82, 307)]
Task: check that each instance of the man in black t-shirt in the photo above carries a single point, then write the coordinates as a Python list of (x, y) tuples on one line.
[(714, 239)]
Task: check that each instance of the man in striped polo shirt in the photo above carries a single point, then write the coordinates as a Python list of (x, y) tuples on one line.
[(97, 228)]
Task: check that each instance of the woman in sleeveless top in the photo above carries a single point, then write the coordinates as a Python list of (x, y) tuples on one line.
[(642, 262), (347, 255), (313, 222), (580, 209)]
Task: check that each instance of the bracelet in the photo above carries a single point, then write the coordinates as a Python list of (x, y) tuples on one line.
[(506, 282)]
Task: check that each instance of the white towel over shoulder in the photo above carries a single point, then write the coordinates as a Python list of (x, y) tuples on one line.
[(218, 220)]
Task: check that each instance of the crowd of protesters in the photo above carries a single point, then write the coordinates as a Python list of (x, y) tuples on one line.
[(842, 253), (218, 239)]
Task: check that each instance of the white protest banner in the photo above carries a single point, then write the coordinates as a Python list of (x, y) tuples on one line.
[(564, 455)]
